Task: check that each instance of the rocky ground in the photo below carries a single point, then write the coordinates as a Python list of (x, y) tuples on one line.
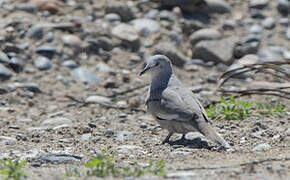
[(70, 86)]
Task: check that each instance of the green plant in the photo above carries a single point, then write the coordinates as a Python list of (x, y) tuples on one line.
[(103, 166), (12, 169), (272, 108), (72, 172), (231, 109), (137, 171)]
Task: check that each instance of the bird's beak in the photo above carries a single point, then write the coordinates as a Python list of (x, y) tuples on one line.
[(144, 70)]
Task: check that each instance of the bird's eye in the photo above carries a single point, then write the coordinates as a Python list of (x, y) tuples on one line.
[(157, 63)]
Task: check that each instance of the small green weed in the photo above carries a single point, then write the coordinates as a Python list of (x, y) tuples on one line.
[(273, 108), (231, 109), (234, 109), (103, 166), (12, 169)]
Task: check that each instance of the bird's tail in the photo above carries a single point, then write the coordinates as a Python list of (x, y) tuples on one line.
[(211, 134)]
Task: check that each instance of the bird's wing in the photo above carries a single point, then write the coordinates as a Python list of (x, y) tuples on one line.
[(178, 103)]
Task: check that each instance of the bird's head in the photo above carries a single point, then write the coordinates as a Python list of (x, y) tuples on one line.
[(157, 64)]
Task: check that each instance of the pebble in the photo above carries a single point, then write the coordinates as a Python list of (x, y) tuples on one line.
[(43, 63), (124, 136), (204, 34), (5, 73), (35, 32), (146, 27), (259, 4), (57, 121), (83, 75), (72, 40), (261, 147), (16, 64), (218, 51), (268, 55), (109, 133), (4, 58), (269, 23), (4, 140), (283, 7), (256, 29), (180, 175), (49, 37), (33, 87), (98, 100), (112, 17), (169, 50), (288, 33), (183, 153), (86, 137), (47, 51), (121, 9), (127, 33), (125, 149), (55, 159), (288, 132), (70, 64)]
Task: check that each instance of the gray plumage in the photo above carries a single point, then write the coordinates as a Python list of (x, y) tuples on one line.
[(174, 107)]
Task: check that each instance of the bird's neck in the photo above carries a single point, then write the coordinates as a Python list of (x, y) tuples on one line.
[(159, 83)]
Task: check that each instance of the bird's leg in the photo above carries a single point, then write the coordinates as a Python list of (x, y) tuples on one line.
[(166, 140), (183, 137)]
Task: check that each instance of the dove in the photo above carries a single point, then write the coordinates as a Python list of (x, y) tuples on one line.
[(173, 105)]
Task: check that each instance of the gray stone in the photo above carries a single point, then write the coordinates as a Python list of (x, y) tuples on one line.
[(268, 55), (72, 40), (49, 37), (125, 149), (229, 25), (256, 29), (218, 51), (257, 134), (284, 22), (104, 68), (204, 34), (167, 15), (128, 34), (169, 50), (146, 27), (124, 136), (3, 58), (283, 6), (83, 75), (42, 63), (112, 17), (183, 153), (109, 133), (98, 99), (181, 175), (252, 38), (47, 51), (152, 14), (269, 23), (246, 48), (4, 140), (56, 159), (261, 147), (33, 87), (286, 55), (5, 73), (218, 6), (259, 4), (86, 137), (35, 32), (57, 121), (70, 64), (205, 6), (105, 43), (121, 9), (288, 132), (16, 64), (288, 33)]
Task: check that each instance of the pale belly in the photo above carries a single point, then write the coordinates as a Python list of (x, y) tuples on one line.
[(176, 126)]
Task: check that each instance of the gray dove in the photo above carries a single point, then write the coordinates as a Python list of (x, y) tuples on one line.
[(173, 106)]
